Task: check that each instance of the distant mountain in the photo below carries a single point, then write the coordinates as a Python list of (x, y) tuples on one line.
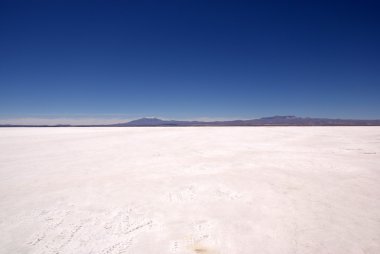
[(145, 122), (265, 121)]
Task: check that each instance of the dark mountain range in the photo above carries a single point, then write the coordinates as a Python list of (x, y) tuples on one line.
[(265, 121)]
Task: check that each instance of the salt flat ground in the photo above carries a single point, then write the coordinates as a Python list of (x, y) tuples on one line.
[(190, 190)]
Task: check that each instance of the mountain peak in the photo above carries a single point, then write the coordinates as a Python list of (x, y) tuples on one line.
[(280, 117), (146, 121)]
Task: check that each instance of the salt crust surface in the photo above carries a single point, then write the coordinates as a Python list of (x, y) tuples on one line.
[(185, 190)]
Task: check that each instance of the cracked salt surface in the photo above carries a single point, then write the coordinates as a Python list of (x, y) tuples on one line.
[(190, 190)]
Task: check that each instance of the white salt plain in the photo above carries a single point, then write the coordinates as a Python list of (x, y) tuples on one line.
[(190, 190)]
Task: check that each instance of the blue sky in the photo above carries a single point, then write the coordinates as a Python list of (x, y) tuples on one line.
[(189, 59)]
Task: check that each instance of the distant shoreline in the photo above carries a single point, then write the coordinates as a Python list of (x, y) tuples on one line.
[(274, 121)]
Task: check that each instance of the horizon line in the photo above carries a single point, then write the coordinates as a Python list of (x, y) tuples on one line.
[(97, 121)]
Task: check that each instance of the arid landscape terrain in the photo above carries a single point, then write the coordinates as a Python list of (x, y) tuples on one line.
[(208, 190)]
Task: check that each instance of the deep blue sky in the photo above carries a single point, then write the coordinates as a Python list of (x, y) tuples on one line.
[(190, 59)]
